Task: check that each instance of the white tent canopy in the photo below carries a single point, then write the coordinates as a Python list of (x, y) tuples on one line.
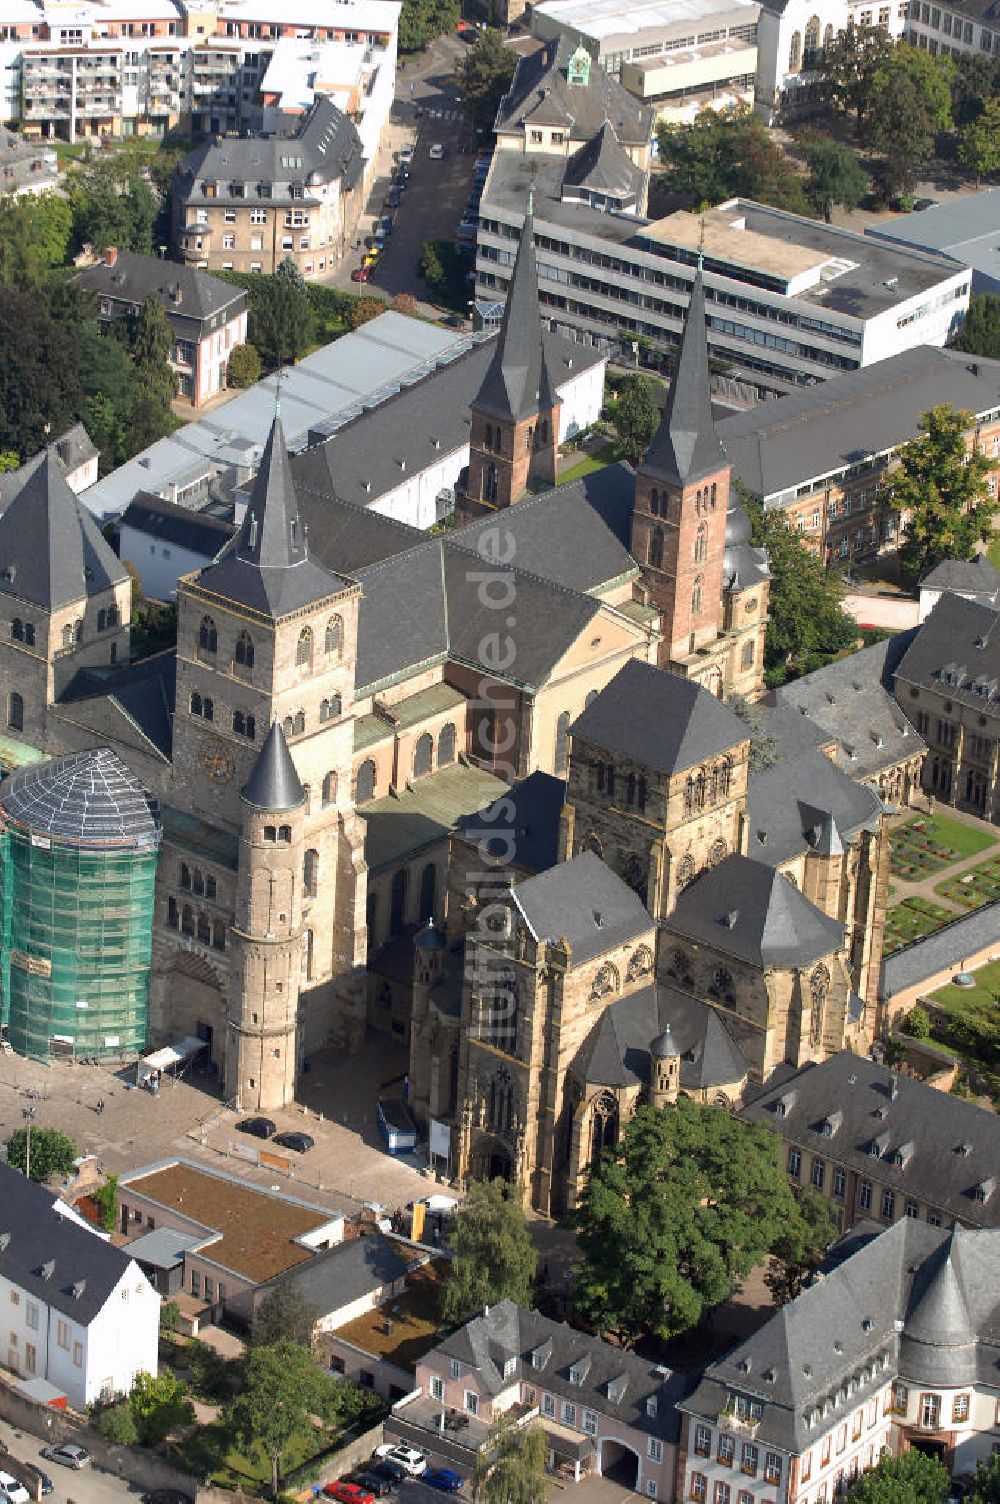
[(171, 1056)]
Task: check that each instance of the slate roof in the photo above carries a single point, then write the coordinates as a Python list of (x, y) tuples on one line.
[(34, 1233), (131, 706), (51, 549), (957, 651), (584, 902), (169, 523), (518, 382), (820, 430), (659, 719), (616, 1053), (602, 166), (747, 910), (540, 92), (802, 803), (268, 566), (521, 828), (326, 146), (183, 292), (850, 1091), (511, 1332), (86, 799), (338, 1276), (686, 446), (851, 700), (942, 950), (964, 576), (273, 783)]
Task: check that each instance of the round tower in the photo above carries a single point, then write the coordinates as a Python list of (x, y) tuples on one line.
[(664, 1070), (260, 1067)]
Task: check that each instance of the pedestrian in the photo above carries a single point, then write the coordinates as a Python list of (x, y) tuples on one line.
[(100, 1106)]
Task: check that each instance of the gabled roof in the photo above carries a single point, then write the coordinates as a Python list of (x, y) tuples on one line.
[(944, 949), (964, 576), (350, 1271), (616, 1052), (602, 166), (273, 783), (750, 911), (805, 804), (540, 91), (584, 902), (957, 651), (518, 382), (686, 446), (521, 828), (132, 706), (182, 291), (659, 719), (51, 550), (47, 1253), (170, 523), (268, 567)]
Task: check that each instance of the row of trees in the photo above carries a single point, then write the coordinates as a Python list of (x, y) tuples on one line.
[(287, 316)]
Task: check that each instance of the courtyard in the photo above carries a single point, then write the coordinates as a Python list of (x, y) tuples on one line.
[(935, 876), (968, 1022)]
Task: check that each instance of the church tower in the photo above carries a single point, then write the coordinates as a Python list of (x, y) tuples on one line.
[(681, 497), (262, 1016), (514, 437), (664, 1070)]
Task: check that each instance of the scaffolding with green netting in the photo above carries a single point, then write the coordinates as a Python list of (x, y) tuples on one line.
[(78, 854)]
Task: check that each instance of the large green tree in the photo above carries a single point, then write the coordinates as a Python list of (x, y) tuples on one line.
[(851, 65), (159, 1405), (510, 1465), (836, 176), (986, 1489), (483, 78), (40, 389), (284, 1313), (113, 204), (492, 1254), (34, 237), (979, 142), (686, 1203), (976, 80), (725, 154), (800, 1247), (913, 1478), (51, 1152), (281, 319), (421, 21), (635, 414), (913, 106), (940, 487)]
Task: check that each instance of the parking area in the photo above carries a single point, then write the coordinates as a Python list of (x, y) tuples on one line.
[(87, 1485)]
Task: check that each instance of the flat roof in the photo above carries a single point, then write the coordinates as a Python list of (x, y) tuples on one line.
[(414, 1320), (398, 825), (966, 228), (606, 18), (256, 1229), (715, 234)]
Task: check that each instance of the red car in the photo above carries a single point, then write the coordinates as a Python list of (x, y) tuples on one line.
[(361, 274), (348, 1493)]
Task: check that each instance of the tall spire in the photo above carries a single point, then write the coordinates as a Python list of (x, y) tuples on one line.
[(517, 383), (686, 446), (272, 533), (273, 783)]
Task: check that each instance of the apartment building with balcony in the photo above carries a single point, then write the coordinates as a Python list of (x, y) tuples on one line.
[(207, 317), (824, 455), (247, 205)]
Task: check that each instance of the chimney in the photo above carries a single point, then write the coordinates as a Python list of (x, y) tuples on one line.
[(178, 293), (111, 255)]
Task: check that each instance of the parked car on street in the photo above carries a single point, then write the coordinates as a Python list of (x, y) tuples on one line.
[(361, 274), (348, 1493), (12, 1492), (67, 1454), (411, 1460), (258, 1127), (300, 1143), (445, 1479), (436, 152), (370, 1482), (390, 1471)]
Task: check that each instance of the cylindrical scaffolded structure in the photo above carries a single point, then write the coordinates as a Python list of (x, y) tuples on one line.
[(79, 843)]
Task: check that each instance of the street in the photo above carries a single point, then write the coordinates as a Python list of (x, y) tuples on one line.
[(71, 1486)]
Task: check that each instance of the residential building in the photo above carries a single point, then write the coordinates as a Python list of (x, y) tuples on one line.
[(207, 317), (601, 1410), (380, 1347), (164, 541), (677, 63), (824, 455), (78, 1312), (894, 1347), (952, 30), (247, 205), (339, 1284), (883, 1146), (946, 682), (75, 455), (973, 579), (25, 168)]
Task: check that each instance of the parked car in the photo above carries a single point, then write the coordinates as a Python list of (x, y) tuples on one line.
[(299, 1143), (370, 1482), (411, 1460), (167, 1496), (390, 1471), (45, 1482), (67, 1454), (361, 274), (394, 198), (258, 1127), (12, 1492), (436, 152), (443, 1478), (348, 1493), (406, 155)]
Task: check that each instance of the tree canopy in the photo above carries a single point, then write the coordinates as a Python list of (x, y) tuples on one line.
[(493, 1256), (836, 176), (851, 64), (510, 1465), (52, 1153), (159, 1405), (940, 486), (912, 1478), (483, 78), (979, 142), (687, 1202), (635, 414), (113, 204), (800, 1247), (280, 319), (986, 1489), (284, 1314), (726, 154), (421, 21)]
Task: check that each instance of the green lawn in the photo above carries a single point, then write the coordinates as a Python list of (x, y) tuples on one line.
[(208, 1453), (993, 552), (927, 845), (912, 920), (971, 1026), (590, 462), (979, 885)]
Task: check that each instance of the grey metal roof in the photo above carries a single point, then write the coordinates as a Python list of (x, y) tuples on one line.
[(87, 799), (659, 719), (851, 700), (956, 651), (273, 783), (521, 828), (338, 1276), (50, 1256), (805, 804), (849, 1092), (966, 227), (170, 523), (518, 382), (750, 911), (944, 949), (938, 1345), (686, 446), (602, 166), (617, 1051), (51, 551), (964, 576), (821, 430), (268, 567), (163, 1248), (617, 1383), (584, 902), (540, 88), (185, 293)]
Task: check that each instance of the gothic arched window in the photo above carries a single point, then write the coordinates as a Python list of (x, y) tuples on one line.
[(397, 902), (635, 876), (606, 983), (604, 1126), (655, 558), (490, 483), (329, 790), (15, 711), (696, 597), (208, 637), (423, 754), (500, 1103), (723, 987), (685, 870), (640, 964), (819, 986), (446, 745), (717, 852), (701, 543), (244, 650), (334, 635), (304, 648), (500, 1009), (310, 873), (562, 742), (365, 783), (654, 502)]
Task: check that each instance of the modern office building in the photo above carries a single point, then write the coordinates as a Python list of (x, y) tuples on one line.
[(966, 228)]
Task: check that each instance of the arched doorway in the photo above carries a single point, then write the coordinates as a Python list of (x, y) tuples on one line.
[(492, 1161), (619, 1463)]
